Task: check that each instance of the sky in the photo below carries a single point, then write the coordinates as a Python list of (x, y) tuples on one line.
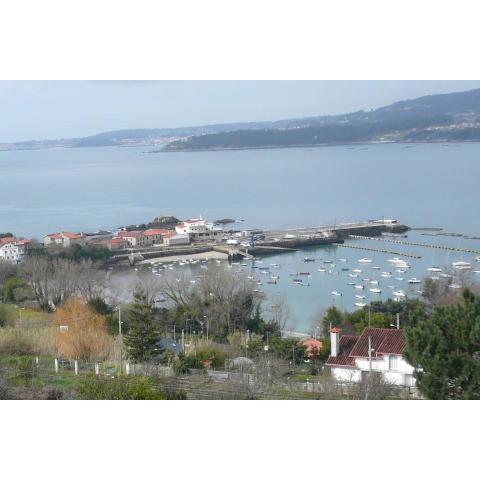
[(36, 110)]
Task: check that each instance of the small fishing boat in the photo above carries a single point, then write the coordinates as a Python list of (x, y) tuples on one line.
[(374, 282), (322, 269), (344, 260), (361, 297), (399, 293), (461, 265), (353, 275), (359, 287), (376, 268), (356, 270), (351, 283), (308, 259), (434, 269), (336, 294), (375, 290), (360, 304), (414, 280), (365, 260)]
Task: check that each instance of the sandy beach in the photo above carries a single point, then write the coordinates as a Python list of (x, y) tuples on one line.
[(212, 255)]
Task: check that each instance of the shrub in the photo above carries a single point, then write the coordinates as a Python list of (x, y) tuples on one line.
[(134, 388)]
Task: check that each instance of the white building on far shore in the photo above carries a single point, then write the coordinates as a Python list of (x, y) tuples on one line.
[(199, 230)]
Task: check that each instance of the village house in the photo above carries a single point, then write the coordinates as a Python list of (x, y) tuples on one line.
[(12, 249), (171, 239), (116, 243), (351, 361), (135, 238), (155, 235), (198, 230), (64, 239)]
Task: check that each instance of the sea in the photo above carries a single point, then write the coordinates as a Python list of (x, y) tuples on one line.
[(420, 185)]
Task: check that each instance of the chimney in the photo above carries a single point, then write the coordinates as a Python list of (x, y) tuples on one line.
[(335, 341)]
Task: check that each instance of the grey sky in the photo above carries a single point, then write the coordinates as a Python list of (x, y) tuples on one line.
[(61, 109)]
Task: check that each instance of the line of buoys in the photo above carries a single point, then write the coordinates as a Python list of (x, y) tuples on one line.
[(416, 244), (370, 249)]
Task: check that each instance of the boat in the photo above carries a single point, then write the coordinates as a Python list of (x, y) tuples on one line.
[(274, 277), (374, 282), (461, 265), (344, 260), (446, 275), (353, 275), (375, 290), (351, 283), (376, 268), (399, 293), (272, 282), (322, 269), (434, 269), (400, 279), (360, 304), (361, 297), (365, 260), (455, 286), (297, 281), (414, 280), (359, 287), (327, 261), (308, 259), (356, 270), (385, 274), (477, 259), (304, 273), (336, 294)]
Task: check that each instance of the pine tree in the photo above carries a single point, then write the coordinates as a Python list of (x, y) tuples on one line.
[(142, 333), (445, 348)]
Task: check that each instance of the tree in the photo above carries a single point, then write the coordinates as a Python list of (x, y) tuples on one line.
[(445, 350), (81, 332), (142, 330)]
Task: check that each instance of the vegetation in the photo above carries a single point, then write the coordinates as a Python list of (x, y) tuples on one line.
[(81, 332), (445, 350), (142, 333)]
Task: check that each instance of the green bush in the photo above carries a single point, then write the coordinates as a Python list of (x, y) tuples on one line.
[(133, 388)]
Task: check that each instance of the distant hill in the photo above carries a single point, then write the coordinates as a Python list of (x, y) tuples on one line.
[(452, 116)]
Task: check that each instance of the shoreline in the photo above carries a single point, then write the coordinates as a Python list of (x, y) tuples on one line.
[(211, 255)]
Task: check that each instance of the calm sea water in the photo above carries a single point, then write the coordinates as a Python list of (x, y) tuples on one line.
[(88, 189)]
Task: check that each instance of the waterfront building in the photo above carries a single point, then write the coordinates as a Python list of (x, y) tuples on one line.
[(174, 238), (351, 361), (64, 239), (155, 235), (135, 238), (199, 230)]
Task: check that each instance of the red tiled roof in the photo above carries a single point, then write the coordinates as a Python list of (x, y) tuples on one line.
[(7, 240), (132, 234), (156, 231), (383, 341), (54, 235), (347, 343), (71, 235), (116, 240), (170, 234)]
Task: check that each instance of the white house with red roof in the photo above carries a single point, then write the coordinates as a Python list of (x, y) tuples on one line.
[(351, 361), (12, 249), (64, 239), (174, 238)]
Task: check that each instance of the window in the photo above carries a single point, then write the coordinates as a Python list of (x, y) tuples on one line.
[(393, 362)]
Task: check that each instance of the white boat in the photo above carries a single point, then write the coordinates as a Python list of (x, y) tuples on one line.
[(360, 304), (365, 260), (399, 293), (414, 280), (336, 294), (359, 287), (322, 269), (477, 259), (356, 270), (385, 274), (434, 269), (461, 265), (455, 286), (361, 297), (377, 268), (350, 283), (353, 275), (400, 279), (344, 260), (445, 275), (375, 290), (374, 282)]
